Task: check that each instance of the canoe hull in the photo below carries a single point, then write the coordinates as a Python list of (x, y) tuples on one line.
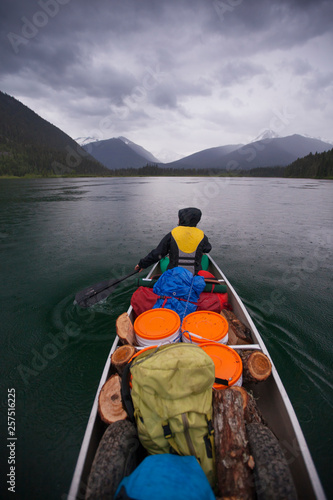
[(272, 400)]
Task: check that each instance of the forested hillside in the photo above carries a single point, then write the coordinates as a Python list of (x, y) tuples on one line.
[(29, 145), (315, 166)]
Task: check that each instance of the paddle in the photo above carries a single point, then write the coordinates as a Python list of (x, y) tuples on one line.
[(95, 293)]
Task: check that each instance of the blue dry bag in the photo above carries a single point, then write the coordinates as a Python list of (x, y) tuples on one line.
[(166, 477), (179, 290)]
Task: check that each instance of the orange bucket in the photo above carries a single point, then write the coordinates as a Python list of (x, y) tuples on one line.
[(142, 350), (156, 327), (205, 326), (228, 364)]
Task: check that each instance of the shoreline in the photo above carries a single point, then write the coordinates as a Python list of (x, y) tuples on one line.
[(36, 176)]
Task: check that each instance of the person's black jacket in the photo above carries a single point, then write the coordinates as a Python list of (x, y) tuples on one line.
[(188, 217)]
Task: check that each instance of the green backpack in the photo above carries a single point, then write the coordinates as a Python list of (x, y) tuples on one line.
[(172, 400)]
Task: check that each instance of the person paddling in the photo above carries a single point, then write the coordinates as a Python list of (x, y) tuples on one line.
[(185, 244)]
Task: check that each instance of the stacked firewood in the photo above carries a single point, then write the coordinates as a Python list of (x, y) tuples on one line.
[(239, 334), (110, 406)]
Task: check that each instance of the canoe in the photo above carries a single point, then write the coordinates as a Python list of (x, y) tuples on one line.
[(270, 395)]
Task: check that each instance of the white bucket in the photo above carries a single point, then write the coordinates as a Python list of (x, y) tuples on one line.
[(157, 327), (200, 327)]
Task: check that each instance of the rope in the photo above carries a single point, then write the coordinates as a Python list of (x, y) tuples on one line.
[(187, 301), (189, 335), (179, 337)]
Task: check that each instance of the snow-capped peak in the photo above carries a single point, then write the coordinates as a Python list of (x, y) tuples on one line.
[(266, 134), (126, 141), (85, 140)]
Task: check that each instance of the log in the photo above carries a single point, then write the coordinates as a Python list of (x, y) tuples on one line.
[(121, 357), (110, 406), (243, 392), (237, 328), (251, 411), (117, 456), (232, 337), (125, 330), (256, 366), (233, 459)]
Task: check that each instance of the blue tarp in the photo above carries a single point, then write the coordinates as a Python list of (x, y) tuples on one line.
[(182, 289)]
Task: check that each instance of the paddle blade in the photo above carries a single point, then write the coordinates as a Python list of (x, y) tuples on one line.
[(95, 293), (94, 297)]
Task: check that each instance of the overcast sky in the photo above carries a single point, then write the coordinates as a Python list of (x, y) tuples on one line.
[(175, 76)]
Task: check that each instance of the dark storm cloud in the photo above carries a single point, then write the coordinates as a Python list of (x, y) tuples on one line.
[(275, 20), (127, 61), (72, 25)]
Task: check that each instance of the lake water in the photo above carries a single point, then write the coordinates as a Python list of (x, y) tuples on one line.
[(272, 238)]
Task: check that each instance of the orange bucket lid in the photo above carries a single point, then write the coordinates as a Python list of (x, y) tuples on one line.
[(142, 350), (208, 324), (157, 324), (228, 364)]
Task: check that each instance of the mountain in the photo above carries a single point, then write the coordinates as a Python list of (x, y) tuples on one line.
[(119, 153), (85, 140), (267, 152), (207, 158), (31, 145), (279, 151), (266, 134), (140, 150)]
